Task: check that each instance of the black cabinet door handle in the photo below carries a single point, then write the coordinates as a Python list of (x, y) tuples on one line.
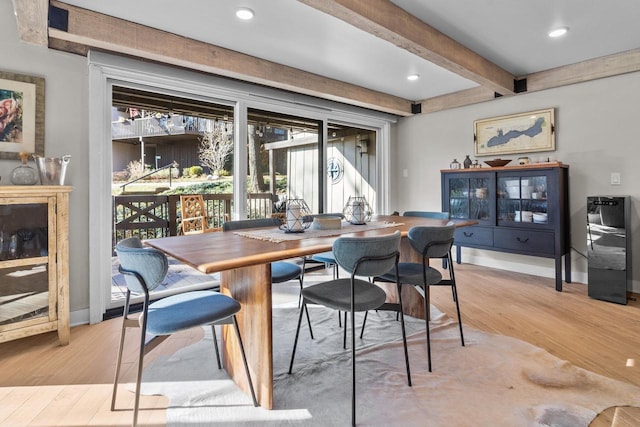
[(466, 234), (522, 240)]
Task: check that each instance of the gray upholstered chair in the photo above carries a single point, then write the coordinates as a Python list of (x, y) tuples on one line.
[(430, 214), (144, 269), (281, 271), (363, 257), (429, 242)]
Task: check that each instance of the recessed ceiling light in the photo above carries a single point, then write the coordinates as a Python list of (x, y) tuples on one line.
[(413, 77), (558, 32), (244, 13)]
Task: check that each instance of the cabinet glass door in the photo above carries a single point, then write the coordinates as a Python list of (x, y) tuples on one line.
[(24, 263), (523, 199), (469, 198)]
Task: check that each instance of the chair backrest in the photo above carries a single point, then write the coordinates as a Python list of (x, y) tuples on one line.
[(432, 242), (149, 264), (251, 223), (194, 214), (428, 214), (349, 251)]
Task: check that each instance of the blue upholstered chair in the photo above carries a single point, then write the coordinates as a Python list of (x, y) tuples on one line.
[(363, 257), (144, 269), (281, 271), (429, 242)]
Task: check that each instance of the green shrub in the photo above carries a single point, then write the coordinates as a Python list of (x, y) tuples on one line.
[(196, 171)]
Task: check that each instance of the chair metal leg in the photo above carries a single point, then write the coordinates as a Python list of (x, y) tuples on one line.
[(404, 336), (454, 290), (244, 359), (353, 366), (120, 348), (426, 319), (143, 332), (215, 345), (295, 341), (344, 338), (364, 322), (306, 310)]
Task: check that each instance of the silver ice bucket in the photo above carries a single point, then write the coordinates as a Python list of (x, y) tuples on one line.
[(52, 170)]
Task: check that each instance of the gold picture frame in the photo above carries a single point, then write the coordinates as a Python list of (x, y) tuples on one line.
[(21, 115), (528, 132)]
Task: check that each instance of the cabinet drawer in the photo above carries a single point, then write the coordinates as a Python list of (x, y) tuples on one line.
[(524, 241), (473, 236)]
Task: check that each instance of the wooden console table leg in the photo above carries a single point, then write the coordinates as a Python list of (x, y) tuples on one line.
[(251, 286)]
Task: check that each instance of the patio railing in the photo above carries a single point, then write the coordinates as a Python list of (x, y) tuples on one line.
[(153, 216)]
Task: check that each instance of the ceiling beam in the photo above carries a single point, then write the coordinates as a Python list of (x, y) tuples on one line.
[(98, 31), (605, 66), (389, 22), (457, 99), (31, 18)]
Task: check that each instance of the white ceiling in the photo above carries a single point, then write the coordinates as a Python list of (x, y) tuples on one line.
[(510, 33)]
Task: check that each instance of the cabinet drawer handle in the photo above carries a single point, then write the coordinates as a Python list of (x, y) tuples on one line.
[(522, 240), (467, 234)]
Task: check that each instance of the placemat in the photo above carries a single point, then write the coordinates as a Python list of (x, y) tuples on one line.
[(278, 236)]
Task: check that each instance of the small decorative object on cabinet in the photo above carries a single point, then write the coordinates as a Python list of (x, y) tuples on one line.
[(467, 162), (24, 174), (519, 209), (34, 253), (455, 164)]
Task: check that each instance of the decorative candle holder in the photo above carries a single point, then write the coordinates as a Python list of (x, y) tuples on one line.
[(357, 210), (296, 210)]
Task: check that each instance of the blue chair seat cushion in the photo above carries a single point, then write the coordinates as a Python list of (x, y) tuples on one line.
[(336, 294), (411, 274), (187, 310), (324, 257), (282, 271)]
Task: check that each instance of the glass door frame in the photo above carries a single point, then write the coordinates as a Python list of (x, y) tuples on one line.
[(106, 70)]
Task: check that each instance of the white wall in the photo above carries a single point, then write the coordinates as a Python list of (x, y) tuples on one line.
[(66, 132), (597, 125)]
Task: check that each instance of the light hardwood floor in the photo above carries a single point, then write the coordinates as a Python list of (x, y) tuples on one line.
[(44, 384)]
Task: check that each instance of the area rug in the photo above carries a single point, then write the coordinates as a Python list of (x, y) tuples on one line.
[(493, 381)]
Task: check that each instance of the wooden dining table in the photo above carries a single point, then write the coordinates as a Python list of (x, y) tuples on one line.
[(244, 264)]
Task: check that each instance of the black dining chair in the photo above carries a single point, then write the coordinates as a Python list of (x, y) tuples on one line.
[(361, 257), (429, 242), (144, 269)]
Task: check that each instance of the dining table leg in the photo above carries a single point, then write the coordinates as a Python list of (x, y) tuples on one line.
[(412, 300), (251, 287)]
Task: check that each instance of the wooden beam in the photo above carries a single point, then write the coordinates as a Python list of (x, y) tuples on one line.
[(389, 22), (457, 99), (605, 66), (103, 32), (32, 17)]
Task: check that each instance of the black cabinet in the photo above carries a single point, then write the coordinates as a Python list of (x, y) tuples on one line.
[(519, 209)]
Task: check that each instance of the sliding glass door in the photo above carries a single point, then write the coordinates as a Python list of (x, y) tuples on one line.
[(351, 166)]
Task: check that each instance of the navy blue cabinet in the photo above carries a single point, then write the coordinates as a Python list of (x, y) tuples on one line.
[(519, 209)]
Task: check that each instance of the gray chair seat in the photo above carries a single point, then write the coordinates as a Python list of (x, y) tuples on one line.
[(336, 294), (187, 310), (410, 272)]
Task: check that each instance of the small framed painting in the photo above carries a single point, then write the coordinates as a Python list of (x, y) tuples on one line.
[(21, 115), (518, 133)]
